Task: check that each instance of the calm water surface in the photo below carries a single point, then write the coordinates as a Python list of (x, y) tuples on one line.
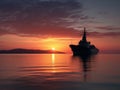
[(59, 72)]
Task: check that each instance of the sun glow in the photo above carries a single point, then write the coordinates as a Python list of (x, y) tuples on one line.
[(53, 49)]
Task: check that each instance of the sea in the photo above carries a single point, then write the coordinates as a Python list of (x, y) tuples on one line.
[(59, 72)]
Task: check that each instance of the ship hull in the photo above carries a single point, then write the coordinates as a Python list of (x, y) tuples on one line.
[(81, 50)]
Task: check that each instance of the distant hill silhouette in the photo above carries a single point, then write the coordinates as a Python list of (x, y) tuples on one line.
[(29, 51)]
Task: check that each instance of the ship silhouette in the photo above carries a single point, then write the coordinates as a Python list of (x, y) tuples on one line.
[(84, 47)]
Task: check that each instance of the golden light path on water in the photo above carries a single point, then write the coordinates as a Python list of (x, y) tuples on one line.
[(53, 63)]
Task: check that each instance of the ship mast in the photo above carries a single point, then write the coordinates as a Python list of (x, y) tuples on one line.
[(84, 35)]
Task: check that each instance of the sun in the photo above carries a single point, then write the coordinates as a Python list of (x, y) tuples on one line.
[(53, 49)]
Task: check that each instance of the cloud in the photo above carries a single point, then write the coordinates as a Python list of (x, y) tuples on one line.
[(108, 28), (44, 18), (103, 34), (37, 17)]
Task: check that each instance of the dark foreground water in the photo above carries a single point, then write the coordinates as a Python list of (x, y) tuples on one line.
[(59, 72)]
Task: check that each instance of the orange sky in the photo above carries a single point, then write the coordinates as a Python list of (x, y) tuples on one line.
[(60, 44), (47, 24)]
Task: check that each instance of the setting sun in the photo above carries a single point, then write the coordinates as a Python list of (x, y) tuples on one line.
[(53, 49)]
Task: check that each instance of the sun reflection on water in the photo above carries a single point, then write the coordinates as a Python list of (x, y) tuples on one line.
[(53, 63)]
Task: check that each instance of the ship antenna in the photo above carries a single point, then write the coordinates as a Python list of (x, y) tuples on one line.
[(84, 35)]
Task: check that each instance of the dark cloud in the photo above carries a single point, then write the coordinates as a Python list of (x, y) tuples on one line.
[(50, 31), (108, 28), (103, 34), (43, 17)]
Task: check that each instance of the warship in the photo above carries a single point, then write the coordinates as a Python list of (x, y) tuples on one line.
[(84, 47)]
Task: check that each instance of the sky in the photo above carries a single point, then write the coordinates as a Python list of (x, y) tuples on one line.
[(46, 24)]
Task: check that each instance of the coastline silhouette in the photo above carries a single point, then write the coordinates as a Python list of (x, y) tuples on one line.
[(29, 51)]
